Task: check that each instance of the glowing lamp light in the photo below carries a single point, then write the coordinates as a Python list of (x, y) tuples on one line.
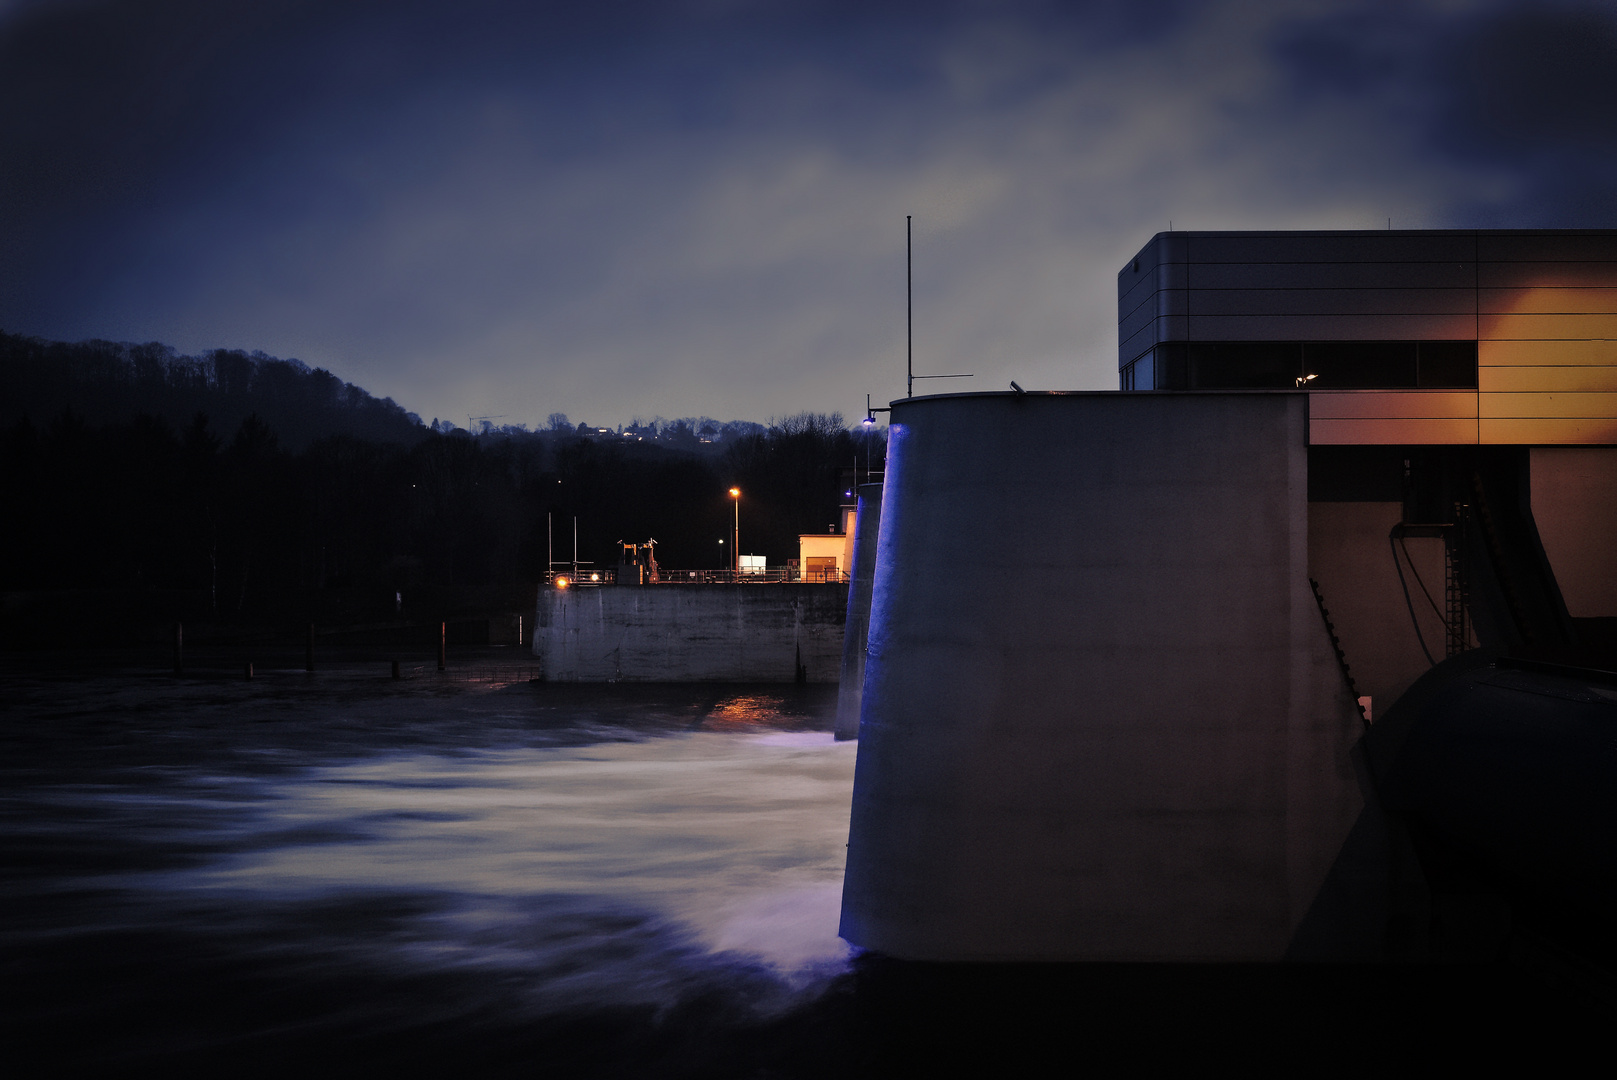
[(562, 583), (735, 493), (595, 577), (1305, 379)]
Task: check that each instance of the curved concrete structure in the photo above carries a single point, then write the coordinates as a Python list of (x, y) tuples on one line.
[(1101, 718), (850, 691)]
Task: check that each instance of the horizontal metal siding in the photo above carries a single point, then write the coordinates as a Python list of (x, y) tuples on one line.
[(1546, 379), (1333, 302), (1528, 275), (1331, 247), (1331, 327), (1402, 404), (1550, 353), (1392, 431), (1446, 275), (1547, 300)]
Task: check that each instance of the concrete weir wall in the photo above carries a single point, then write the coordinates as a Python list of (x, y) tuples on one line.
[(867, 526), (771, 632), (1101, 717)]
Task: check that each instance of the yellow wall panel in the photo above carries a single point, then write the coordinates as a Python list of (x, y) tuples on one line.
[(1548, 300), (1389, 431), (1547, 326), (1540, 379), (1494, 406), (1551, 353), (1408, 404), (1552, 431)]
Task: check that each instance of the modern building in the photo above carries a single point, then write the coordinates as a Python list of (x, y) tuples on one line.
[(1339, 458), (1444, 369)]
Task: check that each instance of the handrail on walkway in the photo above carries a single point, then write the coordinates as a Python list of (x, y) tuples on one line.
[(597, 578)]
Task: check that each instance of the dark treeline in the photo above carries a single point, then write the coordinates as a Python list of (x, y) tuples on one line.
[(231, 525), (104, 382)]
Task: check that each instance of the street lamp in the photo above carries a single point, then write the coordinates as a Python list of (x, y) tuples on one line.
[(735, 493)]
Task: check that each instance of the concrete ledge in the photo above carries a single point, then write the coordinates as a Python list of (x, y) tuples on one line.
[(787, 632)]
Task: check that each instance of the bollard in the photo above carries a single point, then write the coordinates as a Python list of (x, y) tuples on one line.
[(308, 651), (443, 638), (396, 674), (179, 647), (249, 671)]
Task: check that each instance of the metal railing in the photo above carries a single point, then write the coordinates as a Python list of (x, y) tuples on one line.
[(774, 575)]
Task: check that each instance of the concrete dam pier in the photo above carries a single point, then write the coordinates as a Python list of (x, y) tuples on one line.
[(1101, 718), (670, 632)]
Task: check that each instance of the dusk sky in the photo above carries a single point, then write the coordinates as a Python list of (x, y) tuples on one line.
[(622, 209)]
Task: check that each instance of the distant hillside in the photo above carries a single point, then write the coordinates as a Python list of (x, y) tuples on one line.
[(103, 382)]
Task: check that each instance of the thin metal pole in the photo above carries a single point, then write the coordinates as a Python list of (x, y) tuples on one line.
[(550, 546), (738, 537), (575, 547), (909, 312)]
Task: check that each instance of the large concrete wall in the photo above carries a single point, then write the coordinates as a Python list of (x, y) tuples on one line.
[(1351, 556), (1124, 737), (775, 632), (1574, 496), (850, 691)]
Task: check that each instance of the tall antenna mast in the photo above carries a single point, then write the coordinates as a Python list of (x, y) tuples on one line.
[(909, 328)]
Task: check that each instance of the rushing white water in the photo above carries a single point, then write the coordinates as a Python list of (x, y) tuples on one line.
[(740, 838), (639, 866)]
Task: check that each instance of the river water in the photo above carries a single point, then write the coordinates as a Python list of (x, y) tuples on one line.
[(335, 871)]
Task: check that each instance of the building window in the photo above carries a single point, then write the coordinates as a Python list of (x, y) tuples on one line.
[(1334, 365)]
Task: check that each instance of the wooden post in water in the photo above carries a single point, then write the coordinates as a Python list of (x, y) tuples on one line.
[(249, 671), (179, 647), (308, 651), (443, 640)]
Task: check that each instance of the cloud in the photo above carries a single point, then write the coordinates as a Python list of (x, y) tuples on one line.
[(700, 210)]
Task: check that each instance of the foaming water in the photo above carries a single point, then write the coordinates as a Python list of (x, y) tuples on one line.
[(737, 839), (342, 874), (543, 851)]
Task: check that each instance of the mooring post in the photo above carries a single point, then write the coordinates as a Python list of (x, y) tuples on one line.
[(443, 638), (179, 647), (249, 671), (308, 651)]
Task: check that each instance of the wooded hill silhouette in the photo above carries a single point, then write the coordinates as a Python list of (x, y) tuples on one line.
[(104, 382)]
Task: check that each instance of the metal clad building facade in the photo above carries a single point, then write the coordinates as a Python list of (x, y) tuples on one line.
[(1411, 338)]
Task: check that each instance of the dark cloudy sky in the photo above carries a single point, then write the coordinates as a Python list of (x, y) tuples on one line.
[(617, 208)]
